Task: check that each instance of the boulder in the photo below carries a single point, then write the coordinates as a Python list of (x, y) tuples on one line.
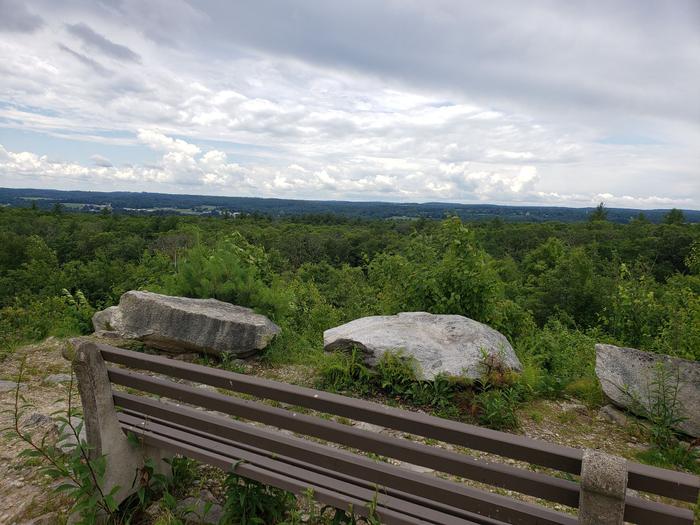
[(105, 320), (628, 377), (450, 344), (184, 325)]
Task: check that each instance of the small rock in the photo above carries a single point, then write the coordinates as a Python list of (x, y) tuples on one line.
[(152, 511), (58, 378), (415, 468), (369, 426), (7, 386), (614, 415), (36, 419), (186, 357), (194, 511)]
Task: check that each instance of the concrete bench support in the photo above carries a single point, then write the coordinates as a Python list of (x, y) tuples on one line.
[(104, 435), (603, 489)]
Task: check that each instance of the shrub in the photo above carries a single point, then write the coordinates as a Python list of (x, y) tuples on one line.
[(62, 316), (233, 271), (561, 354)]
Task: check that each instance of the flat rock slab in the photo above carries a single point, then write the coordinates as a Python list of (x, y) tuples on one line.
[(184, 325), (7, 386), (449, 344), (628, 374), (57, 378)]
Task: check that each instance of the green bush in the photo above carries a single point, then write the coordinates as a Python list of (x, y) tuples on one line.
[(562, 355), (233, 271), (61, 316)]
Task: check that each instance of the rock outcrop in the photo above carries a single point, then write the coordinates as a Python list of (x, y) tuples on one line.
[(450, 344), (630, 377), (183, 325)]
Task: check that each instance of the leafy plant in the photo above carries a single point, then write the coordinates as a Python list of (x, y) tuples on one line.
[(497, 408), (396, 373), (79, 474), (251, 503), (660, 407), (346, 371)]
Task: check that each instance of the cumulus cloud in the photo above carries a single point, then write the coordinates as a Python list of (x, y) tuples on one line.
[(185, 167)]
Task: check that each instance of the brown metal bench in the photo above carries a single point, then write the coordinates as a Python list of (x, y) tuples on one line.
[(341, 477)]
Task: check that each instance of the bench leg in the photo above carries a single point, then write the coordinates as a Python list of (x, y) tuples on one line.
[(603, 489), (104, 435)]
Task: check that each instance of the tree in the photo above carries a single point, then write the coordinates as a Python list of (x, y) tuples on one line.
[(675, 216), (599, 214)]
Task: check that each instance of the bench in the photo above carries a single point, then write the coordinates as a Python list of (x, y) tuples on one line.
[(240, 434)]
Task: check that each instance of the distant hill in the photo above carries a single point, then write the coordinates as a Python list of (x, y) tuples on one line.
[(168, 204)]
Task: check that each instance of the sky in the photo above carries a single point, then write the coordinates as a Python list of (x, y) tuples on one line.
[(503, 102)]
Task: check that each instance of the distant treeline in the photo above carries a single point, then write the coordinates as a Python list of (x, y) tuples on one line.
[(169, 204)]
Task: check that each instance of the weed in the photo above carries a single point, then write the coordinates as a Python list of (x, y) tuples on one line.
[(567, 417), (81, 475), (397, 373), (497, 408), (661, 409), (251, 503), (232, 364), (536, 416), (587, 390), (346, 371)]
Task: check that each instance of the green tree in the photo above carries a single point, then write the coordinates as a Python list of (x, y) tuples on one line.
[(675, 216), (599, 214)]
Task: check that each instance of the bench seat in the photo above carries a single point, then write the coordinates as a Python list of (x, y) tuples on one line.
[(329, 487)]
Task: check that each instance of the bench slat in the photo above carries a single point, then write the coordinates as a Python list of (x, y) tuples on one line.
[(272, 478), (137, 419), (301, 471), (451, 493), (675, 485), (506, 476)]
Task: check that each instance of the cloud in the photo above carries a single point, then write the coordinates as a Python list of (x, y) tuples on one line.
[(459, 101), (101, 161), (15, 17), (98, 42), (89, 62), (185, 167), (160, 142)]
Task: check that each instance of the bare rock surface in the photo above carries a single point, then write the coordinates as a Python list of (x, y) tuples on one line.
[(628, 378), (185, 325), (450, 344)]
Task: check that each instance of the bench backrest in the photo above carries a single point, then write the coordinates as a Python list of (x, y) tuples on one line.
[(297, 400)]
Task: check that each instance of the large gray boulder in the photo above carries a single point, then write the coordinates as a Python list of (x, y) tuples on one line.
[(450, 344), (181, 324), (628, 378)]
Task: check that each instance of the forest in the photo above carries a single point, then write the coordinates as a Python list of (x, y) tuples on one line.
[(554, 289)]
